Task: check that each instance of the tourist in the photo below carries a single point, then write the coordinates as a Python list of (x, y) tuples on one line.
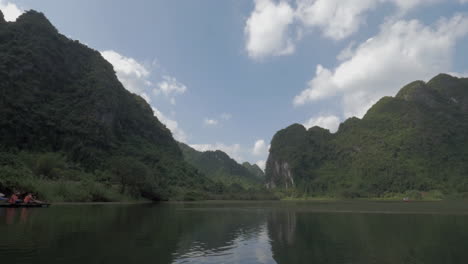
[(14, 198), (30, 199)]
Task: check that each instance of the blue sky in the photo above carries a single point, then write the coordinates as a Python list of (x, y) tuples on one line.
[(229, 74)]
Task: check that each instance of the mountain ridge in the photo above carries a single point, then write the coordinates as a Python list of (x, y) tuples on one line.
[(416, 140)]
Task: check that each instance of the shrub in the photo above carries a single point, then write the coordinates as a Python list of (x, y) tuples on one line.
[(50, 165), (414, 194)]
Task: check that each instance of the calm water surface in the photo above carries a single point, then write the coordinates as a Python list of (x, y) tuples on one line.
[(235, 232)]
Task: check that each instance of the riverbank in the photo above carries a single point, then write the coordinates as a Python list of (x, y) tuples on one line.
[(357, 206)]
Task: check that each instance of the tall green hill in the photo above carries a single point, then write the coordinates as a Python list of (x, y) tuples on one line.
[(66, 121), (417, 140)]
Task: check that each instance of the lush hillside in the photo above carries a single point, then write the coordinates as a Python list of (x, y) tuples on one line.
[(414, 142), (70, 130), (219, 167), (255, 170)]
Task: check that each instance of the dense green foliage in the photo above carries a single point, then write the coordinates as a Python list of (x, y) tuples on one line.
[(416, 141), (66, 122)]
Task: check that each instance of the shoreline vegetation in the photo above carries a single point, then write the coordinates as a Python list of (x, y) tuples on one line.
[(52, 178)]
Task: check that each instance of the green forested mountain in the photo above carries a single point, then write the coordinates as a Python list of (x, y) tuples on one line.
[(219, 167), (417, 140), (255, 170), (70, 130)]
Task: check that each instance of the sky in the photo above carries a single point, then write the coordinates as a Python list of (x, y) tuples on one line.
[(229, 74)]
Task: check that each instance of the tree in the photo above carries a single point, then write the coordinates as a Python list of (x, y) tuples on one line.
[(132, 174)]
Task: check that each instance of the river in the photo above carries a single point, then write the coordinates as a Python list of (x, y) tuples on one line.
[(237, 232)]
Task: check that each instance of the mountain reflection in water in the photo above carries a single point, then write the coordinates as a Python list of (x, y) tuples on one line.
[(217, 232)]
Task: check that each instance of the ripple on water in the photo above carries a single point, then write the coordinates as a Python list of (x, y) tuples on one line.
[(251, 247)]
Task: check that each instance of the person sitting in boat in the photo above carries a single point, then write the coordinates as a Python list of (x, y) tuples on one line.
[(30, 199), (2, 197), (14, 198)]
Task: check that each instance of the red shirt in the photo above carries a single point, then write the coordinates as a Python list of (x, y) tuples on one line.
[(27, 199), (13, 199)]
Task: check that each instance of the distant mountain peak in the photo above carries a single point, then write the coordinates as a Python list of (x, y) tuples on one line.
[(36, 21), (443, 77)]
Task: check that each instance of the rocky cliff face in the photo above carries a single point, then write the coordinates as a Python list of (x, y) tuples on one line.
[(280, 174), (415, 140)]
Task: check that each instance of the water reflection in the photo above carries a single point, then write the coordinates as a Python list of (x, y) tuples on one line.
[(227, 233), (253, 247), (304, 237)]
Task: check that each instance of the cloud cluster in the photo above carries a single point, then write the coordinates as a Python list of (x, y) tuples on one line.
[(266, 29), (135, 77), (337, 19), (210, 122), (10, 11), (239, 153), (260, 148), (329, 122), (271, 25), (132, 74), (261, 164), (217, 121), (169, 86), (401, 52)]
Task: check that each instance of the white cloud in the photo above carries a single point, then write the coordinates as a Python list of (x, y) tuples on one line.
[(172, 125), (401, 52), (267, 29), (459, 74), (347, 52), (259, 148), (132, 74), (210, 122), (329, 122), (10, 11), (261, 164), (170, 86), (337, 19), (135, 77), (406, 5), (234, 150)]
